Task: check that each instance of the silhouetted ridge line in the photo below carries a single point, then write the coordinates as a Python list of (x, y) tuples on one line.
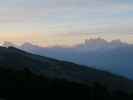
[(13, 58)]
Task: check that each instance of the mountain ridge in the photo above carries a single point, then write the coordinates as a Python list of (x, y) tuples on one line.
[(114, 56), (18, 59)]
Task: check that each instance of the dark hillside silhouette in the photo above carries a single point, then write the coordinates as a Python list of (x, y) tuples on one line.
[(22, 70), (26, 79)]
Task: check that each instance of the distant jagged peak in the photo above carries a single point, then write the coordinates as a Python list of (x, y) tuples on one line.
[(27, 44), (7, 44), (117, 41), (95, 40), (1, 44), (30, 45), (103, 41)]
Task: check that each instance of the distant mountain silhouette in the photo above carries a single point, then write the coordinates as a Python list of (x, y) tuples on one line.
[(114, 56), (7, 44)]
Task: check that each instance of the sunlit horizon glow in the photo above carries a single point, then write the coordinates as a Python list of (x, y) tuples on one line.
[(62, 39), (65, 22)]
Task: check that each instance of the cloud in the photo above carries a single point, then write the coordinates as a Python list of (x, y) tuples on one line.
[(32, 10), (68, 16)]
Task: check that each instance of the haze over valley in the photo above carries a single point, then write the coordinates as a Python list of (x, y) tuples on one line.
[(113, 56)]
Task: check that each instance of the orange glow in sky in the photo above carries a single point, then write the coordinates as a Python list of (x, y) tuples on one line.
[(59, 39), (65, 22)]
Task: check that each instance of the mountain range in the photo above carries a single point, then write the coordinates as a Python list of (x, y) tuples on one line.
[(21, 70), (13, 58), (114, 56)]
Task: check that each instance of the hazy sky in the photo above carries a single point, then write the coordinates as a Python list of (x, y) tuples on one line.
[(49, 22)]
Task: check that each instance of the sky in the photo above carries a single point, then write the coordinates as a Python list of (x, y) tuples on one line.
[(65, 22)]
